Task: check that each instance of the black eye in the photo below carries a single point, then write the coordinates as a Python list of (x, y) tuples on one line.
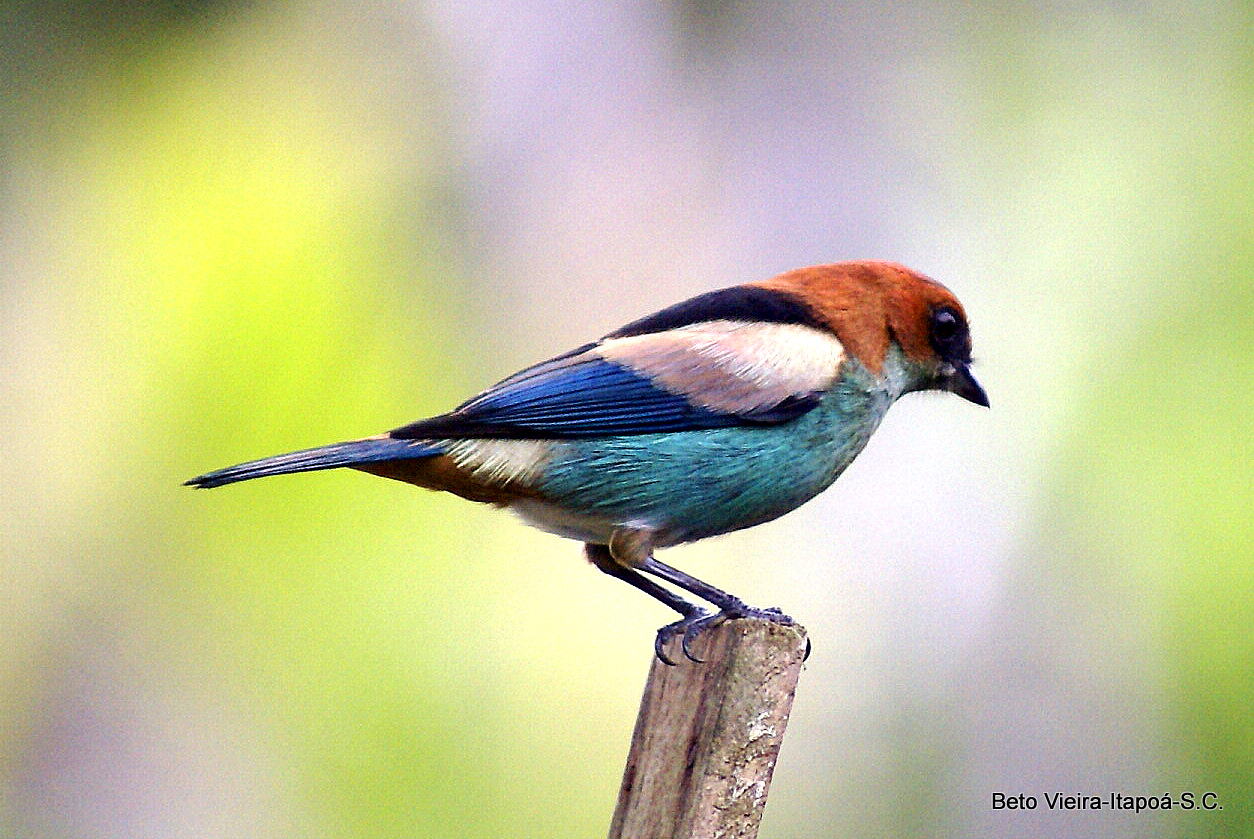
[(945, 325)]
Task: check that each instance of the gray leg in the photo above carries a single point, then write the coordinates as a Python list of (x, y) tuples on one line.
[(599, 555), (632, 551), (602, 558)]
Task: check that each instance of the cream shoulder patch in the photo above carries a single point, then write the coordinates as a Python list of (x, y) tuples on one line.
[(732, 366)]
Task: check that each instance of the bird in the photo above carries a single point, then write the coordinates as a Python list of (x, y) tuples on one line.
[(715, 414)]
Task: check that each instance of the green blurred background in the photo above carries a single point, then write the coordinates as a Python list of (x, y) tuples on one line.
[(229, 229)]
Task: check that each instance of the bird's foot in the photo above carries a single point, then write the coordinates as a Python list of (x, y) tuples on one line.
[(690, 627)]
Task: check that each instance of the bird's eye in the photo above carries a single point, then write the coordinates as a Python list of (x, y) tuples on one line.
[(945, 324)]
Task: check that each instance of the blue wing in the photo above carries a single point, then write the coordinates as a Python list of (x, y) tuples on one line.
[(706, 376), (590, 397)]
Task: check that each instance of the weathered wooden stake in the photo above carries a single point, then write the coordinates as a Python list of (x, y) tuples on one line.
[(708, 734)]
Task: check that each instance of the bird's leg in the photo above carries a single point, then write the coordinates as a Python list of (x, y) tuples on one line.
[(729, 606), (602, 558), (632, 549)]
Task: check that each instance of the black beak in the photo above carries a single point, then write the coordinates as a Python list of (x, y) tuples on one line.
[(965, 385)]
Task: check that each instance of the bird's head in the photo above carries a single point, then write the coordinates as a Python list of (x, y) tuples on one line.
[(872, 306)]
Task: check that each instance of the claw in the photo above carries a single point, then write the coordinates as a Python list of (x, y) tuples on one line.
[(683, 627), (694, 630), (664, 636), (690, 627)]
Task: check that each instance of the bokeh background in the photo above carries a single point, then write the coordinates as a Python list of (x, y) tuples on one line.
[(229, 229)]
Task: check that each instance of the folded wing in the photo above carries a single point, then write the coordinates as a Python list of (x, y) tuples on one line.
[(709, 374)]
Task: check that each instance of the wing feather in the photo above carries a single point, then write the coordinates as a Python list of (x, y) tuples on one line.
[(706, 375)]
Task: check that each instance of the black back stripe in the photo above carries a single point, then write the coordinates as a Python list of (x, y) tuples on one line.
[(742, 303)]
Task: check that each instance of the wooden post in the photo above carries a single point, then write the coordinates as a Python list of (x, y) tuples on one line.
[(708, 734)]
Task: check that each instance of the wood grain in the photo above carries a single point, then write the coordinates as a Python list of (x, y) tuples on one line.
[(708, 735)]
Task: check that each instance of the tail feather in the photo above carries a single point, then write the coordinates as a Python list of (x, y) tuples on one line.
[(371, 450)]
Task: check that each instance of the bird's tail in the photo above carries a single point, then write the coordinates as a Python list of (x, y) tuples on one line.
[(352, 453)]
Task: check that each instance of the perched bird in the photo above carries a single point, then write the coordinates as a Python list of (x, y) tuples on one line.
[(715, 414)]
